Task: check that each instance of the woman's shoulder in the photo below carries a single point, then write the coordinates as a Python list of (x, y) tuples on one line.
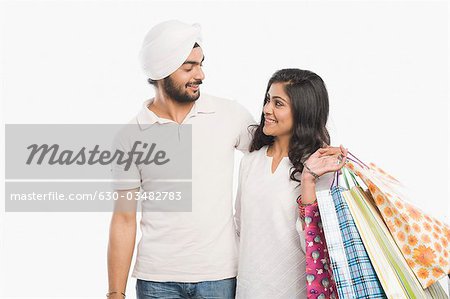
[(256, 154), (251, 158), (249, 161)]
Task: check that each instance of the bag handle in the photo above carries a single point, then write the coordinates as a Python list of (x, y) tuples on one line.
[(335, 179), (358, 161)]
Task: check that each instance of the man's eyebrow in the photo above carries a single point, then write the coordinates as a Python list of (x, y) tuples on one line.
[(194, 62)]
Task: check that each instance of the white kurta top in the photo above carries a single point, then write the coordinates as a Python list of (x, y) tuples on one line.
[(271, 249)]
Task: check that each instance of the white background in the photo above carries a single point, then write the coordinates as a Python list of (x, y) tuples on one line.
[(385, 65)]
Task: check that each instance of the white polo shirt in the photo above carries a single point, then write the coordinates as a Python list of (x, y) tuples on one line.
[(199, 245)]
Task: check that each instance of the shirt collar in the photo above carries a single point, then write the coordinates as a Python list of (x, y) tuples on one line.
[(146, 117)]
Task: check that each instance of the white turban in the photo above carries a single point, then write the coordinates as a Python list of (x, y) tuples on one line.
[(166, 46)]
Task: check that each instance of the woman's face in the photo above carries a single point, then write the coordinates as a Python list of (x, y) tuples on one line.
[(277, 112)]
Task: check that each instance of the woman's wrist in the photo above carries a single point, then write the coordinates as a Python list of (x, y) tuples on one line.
[(302, 206), (308, 202), (308, 179), (308, 182), (308, 171)]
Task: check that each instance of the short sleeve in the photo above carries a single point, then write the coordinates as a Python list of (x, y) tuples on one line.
[(125, 176), (244, 120)]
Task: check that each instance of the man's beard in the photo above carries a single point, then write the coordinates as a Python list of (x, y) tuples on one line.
[(176, 92)]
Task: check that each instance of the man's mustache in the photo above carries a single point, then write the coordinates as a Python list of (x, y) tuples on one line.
[(195, 83)]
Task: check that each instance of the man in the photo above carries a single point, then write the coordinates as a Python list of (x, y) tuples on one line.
[(182, 254)]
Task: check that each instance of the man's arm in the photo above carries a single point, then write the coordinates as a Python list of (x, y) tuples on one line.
[(122, 237)]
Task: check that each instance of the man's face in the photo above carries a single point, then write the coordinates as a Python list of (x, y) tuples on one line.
[(183, 85)]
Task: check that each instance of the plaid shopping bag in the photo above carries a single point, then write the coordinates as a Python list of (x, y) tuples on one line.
[(365, 281), (423, 240)]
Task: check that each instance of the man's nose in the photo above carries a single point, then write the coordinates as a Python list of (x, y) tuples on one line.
[(199, 75)]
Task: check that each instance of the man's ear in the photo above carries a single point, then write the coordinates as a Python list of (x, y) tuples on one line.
[(152, 82)]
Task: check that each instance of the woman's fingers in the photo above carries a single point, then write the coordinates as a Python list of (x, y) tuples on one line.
[(329, 151), (334, 162), (342, 157), (344, 150), (321, 151), (340, 165), (328, 159), (332, 150)]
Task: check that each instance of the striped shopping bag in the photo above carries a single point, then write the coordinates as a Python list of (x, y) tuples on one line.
[(335, 245)]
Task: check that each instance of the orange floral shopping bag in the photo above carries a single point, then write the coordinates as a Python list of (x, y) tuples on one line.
[(423, 240)]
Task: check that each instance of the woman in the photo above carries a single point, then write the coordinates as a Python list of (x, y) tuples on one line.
[(292, 133)]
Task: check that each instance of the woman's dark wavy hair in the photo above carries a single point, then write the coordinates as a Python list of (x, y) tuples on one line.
[(310, 108)]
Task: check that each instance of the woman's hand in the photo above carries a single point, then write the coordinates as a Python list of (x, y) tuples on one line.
[(324, 160)]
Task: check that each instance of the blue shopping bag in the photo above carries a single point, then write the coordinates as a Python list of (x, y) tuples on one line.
[(365, 282)]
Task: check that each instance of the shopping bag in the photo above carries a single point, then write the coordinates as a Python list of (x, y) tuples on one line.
[(365, 281), (335, 245), (319, 277), (396, 277), (423, 240)]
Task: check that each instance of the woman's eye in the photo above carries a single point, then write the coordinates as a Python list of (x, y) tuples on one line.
[(278, 103)]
